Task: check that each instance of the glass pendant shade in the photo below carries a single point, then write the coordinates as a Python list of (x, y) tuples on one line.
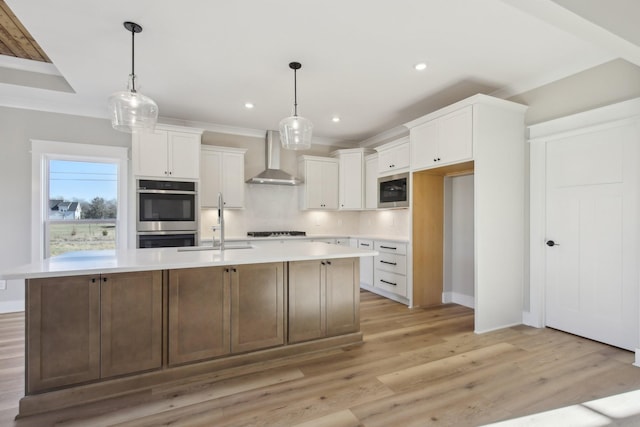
[(132, 111), (295, 133)]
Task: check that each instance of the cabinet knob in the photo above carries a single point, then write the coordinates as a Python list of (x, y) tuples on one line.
[(438, 158), (104, 279)]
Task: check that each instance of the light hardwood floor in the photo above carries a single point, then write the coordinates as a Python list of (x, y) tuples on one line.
[(416, 368)]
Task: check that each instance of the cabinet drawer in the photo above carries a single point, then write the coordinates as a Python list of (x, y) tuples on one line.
[(365, 244), (391, 247), (393, 263), (391, 282)]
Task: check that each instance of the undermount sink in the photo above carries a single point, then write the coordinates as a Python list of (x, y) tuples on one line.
[(227, 246)]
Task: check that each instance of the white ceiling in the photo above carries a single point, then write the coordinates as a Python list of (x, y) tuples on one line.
[(201, 60)]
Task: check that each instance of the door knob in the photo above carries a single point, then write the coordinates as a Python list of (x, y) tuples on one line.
[(552, 243)]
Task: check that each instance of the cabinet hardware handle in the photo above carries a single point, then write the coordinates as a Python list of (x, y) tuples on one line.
[(93, 280), (552, 243), (329, 262), (234, 270), (438, 158), (389, 247), (388, 283), (387, 262), (226, 270), (323, 263), (365, 244), (104, 279)]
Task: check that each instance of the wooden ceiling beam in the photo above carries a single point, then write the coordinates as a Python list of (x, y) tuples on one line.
[(15, 40)]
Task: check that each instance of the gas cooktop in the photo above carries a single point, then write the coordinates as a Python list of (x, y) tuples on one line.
[(275, 233)]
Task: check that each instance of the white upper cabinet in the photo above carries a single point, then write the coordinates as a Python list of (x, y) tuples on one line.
[(351, 185), (393, 157), (371, 181), (222, 171), (167, 152), (320, 188), (444, 140)]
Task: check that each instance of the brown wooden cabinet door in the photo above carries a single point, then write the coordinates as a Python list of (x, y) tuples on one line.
[(307, 308), (257, 306), (131, 322), (343, 296), (63, 331), (199, 304)]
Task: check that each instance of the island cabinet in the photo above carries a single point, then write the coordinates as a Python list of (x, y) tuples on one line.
[(85, 328), (323, 298), (216, 311), (199, 319)]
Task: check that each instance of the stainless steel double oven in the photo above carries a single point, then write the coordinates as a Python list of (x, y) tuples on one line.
[(167, 213)]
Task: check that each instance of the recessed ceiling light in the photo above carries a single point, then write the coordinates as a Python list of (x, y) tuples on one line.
[(335, 119), (421, 66), (248, 105)]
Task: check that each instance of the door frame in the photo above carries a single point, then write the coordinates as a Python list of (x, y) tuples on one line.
[(616, 115)]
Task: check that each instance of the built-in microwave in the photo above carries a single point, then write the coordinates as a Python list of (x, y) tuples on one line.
[(393, 191)]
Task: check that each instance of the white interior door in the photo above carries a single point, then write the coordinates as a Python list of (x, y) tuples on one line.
[(592, 235)]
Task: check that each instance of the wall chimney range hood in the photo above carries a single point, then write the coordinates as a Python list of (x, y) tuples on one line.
[(273, 174)]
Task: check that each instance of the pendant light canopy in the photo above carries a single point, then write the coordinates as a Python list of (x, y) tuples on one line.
[(130, 110), (295, 131)]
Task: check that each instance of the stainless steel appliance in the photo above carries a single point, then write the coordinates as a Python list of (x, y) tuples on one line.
[(393, 191), (167, 213), (275, 233), (166, 239)]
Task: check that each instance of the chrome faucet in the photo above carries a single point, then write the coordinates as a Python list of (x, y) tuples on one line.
[(220, 224)]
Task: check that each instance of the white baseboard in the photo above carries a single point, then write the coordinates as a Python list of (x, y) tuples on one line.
[(458, 298), (11, 306)]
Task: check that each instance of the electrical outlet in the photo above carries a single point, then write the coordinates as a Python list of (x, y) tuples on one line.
[(3, 285)]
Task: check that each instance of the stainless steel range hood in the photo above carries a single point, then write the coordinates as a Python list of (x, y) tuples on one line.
[(273, 174)]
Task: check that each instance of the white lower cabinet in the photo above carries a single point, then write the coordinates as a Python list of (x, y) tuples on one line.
[(385, 274)]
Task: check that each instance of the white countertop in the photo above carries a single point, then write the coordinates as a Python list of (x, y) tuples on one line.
[(206, 240), (110, 261)]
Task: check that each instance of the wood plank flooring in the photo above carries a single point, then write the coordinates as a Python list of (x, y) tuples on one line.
[(418, 367)]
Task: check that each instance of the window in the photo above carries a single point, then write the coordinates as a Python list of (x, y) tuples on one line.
[(83, 206), (79, 198)]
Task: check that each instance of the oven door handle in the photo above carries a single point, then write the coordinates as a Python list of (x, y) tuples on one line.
[(144, 191), (165, 233)]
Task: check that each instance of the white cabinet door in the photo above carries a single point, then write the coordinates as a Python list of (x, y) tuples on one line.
[(222, 171), (456, 136), (233, 180), (184, 155), (424, 145), (442, 141), (314, 185), (350, 181), (150, 153), (320, 190), (393, 157), (371, 182), (366, 263), (210, 178), (166, 153)]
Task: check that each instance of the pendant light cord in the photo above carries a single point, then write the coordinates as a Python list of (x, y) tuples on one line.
[(133, 56), (295, 93)]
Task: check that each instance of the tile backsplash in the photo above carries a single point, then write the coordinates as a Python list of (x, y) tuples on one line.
[(276, 207)]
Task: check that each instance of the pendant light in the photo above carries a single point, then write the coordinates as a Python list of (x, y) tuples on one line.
[(130, 110), (295, 131)]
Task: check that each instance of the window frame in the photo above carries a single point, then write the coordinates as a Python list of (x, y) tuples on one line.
[(41, 152)]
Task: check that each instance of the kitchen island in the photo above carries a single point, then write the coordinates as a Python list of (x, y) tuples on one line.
[(107, 323)]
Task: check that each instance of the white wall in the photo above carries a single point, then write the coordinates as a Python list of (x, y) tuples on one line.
[(17, 129), (458, 284)]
